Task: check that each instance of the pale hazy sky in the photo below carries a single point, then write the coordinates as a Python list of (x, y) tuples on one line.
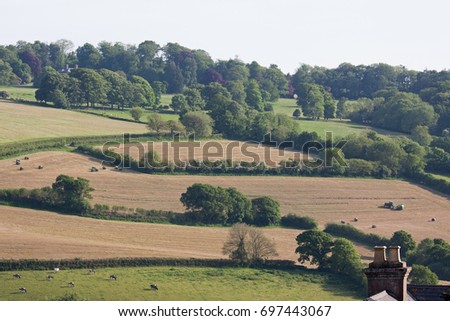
[(284, 32)]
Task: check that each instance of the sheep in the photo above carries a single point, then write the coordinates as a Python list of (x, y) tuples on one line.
[(55, 270), (16, 276), (154, 287), (71, 284), (113, 277), (91, 271), (23, 290), (50, 277)]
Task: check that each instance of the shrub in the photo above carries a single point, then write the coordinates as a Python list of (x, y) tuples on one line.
[(352, 233), (300, 222)]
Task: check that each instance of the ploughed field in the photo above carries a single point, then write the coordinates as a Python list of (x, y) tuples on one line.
[(27, 233), (237, 151), (27, 122), (325, 199)]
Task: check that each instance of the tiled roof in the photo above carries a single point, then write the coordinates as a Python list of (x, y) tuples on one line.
[(430, 292)]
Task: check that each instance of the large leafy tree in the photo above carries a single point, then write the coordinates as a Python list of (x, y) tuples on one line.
[(206, 203), (314, 246), (311, 100), (198, 122), (405, 241), (422, 275), (88, 56), (253, 96), (266, 211), (93, 85)]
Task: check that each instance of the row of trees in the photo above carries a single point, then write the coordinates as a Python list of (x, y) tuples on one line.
[(91, 87), (216, 205)]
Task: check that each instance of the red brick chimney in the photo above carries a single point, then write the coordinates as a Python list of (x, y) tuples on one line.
[(389, 274)]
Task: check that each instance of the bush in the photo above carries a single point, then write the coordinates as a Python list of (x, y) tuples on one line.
[(300, 222), (4, 94), (352, 233)]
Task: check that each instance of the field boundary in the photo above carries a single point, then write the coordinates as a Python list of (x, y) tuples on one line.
[(78, 263)]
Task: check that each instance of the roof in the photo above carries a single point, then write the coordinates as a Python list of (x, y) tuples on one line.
[(430, 292), (385, 296)]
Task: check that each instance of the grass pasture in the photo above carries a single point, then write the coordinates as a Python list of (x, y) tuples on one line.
[(27, 122), (20, 92), (180, 284)]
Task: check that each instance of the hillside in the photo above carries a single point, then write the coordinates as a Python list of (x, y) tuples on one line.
[(28, 122)]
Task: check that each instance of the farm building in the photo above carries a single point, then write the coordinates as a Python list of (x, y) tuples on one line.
[(387, 280)]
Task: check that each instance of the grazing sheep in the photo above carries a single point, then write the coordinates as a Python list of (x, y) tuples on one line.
[(16, 276), (91, 271), (71, 284), (154, 287), (23, 290), (113, 277), (50, 277), (55, 270)]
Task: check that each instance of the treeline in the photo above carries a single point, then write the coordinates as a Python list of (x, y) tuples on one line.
[(90, 87), (433, 253), (368, 83)]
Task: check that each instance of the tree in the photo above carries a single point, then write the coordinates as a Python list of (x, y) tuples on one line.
[(198, 122), (73, 193), (296, 113), (137, 113), (420, 134), (314, 246), (311, 99), (194, 99), (422, 275), (155, 122), (329, 105), (59, 99), (341, 110), (88, 56), (93, 85), (405, 241), (266, 211), (206, 204), (175, 126), (180, 104), (345, 259), (239, 207), (253, 96), (247, 244), (145, 89), (7, 77)]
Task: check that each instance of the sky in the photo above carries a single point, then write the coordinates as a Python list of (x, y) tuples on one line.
[(287, 33)]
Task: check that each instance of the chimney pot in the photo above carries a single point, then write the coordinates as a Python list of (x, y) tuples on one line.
[(380, 255), (394, 254)]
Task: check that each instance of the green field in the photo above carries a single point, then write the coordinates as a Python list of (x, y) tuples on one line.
[(179, 284), (166, 99), (125, 114), (28, 122), (339, 128), (440, 176), (20, 92)]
